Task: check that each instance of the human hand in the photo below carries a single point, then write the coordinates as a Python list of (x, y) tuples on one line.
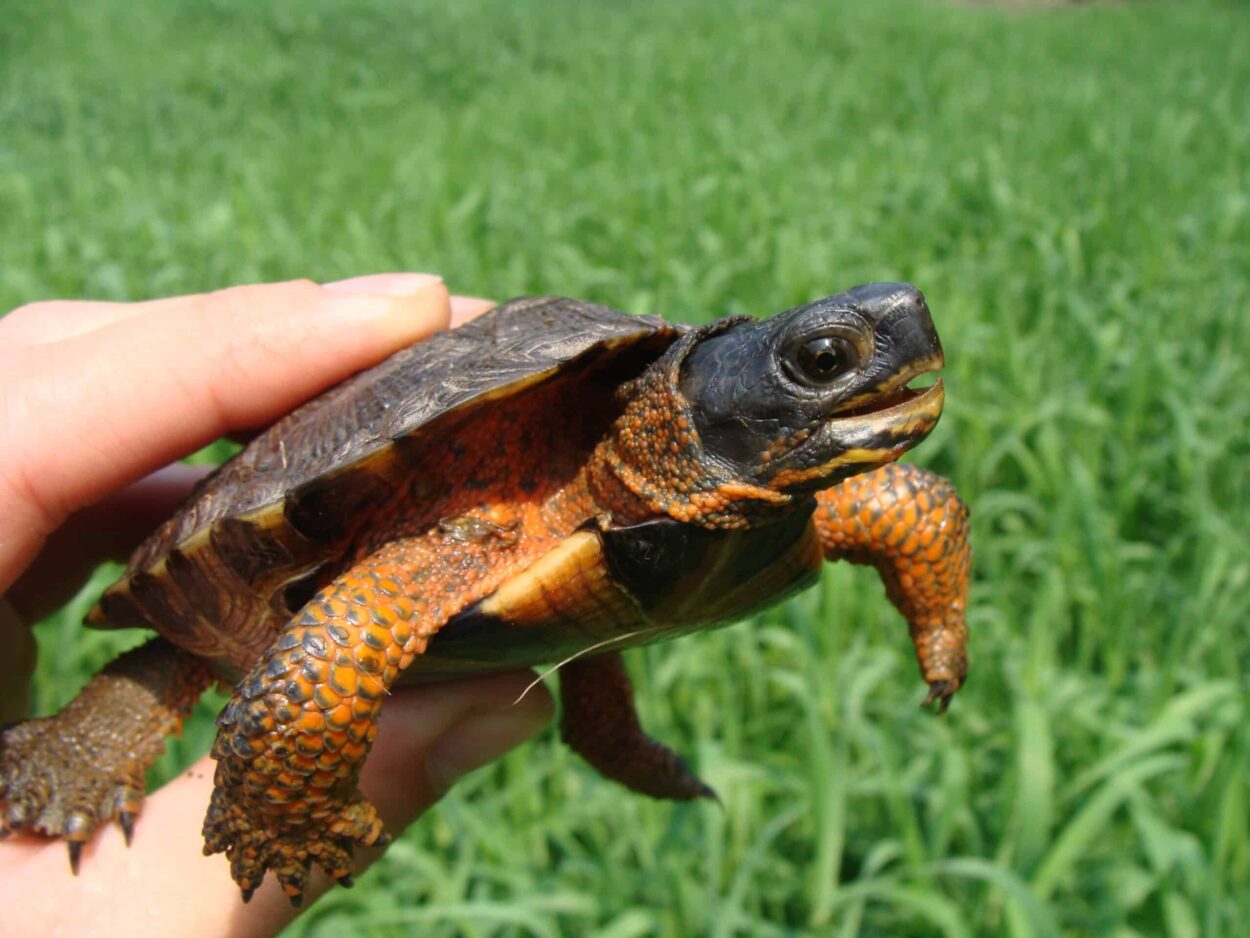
[(97, 397)]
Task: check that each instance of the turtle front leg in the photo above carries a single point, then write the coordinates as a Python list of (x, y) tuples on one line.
[(65, 775), (292, 740), (600, 724), (911, 525)]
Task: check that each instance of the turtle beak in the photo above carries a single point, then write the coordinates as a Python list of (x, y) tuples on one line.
[(867, 437), (892, 424)]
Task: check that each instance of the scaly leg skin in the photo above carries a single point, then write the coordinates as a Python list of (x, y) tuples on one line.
[(292, 740), (600, 724), (911, 525), (65, 775)]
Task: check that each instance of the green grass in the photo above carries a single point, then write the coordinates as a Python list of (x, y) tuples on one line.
[(1070, 187)]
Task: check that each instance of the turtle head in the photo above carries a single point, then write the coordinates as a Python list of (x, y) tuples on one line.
[(808, 397)]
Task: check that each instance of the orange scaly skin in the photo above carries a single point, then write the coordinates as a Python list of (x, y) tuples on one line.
[(652, 465), (911, 525)]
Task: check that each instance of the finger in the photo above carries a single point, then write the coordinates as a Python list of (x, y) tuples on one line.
[(134, 395), (163, 884), (464, 308), (108, 530)]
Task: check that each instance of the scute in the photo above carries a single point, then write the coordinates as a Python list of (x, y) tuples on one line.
[(274, 513)]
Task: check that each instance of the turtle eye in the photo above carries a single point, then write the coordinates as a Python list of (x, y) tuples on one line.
[(825, 359)]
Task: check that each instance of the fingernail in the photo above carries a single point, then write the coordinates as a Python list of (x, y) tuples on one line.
[(399, 285), (480, 739)]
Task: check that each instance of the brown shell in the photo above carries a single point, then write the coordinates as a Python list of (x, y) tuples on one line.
[(252, 540)]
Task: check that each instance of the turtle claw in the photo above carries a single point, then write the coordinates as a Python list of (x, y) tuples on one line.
[(75, 854), (126, 819), (708, 792), (940, 692)]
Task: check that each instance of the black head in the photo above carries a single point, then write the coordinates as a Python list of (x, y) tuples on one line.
[(817, 393)]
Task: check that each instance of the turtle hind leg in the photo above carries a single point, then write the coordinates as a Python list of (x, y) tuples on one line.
[(65, 775), (600, 724)]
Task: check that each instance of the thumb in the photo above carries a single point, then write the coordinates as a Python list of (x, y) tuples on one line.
[(432, 735)]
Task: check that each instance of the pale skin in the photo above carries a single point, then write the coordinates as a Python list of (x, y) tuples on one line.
[(98, 400)]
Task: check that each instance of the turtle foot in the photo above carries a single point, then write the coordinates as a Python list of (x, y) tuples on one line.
[(288, 843), (48, 787), (65, 775)]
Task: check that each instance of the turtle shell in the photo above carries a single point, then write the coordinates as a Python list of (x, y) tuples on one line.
[(257, 537)]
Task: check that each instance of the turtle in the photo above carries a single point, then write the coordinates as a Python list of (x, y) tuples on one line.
[(552, 482)]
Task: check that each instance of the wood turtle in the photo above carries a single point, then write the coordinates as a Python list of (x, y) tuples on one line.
[(553, 482)]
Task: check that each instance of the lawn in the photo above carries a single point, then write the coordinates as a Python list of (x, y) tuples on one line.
[(1071, 188)]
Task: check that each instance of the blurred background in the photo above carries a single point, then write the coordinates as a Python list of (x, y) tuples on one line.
[(1069, 185)]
